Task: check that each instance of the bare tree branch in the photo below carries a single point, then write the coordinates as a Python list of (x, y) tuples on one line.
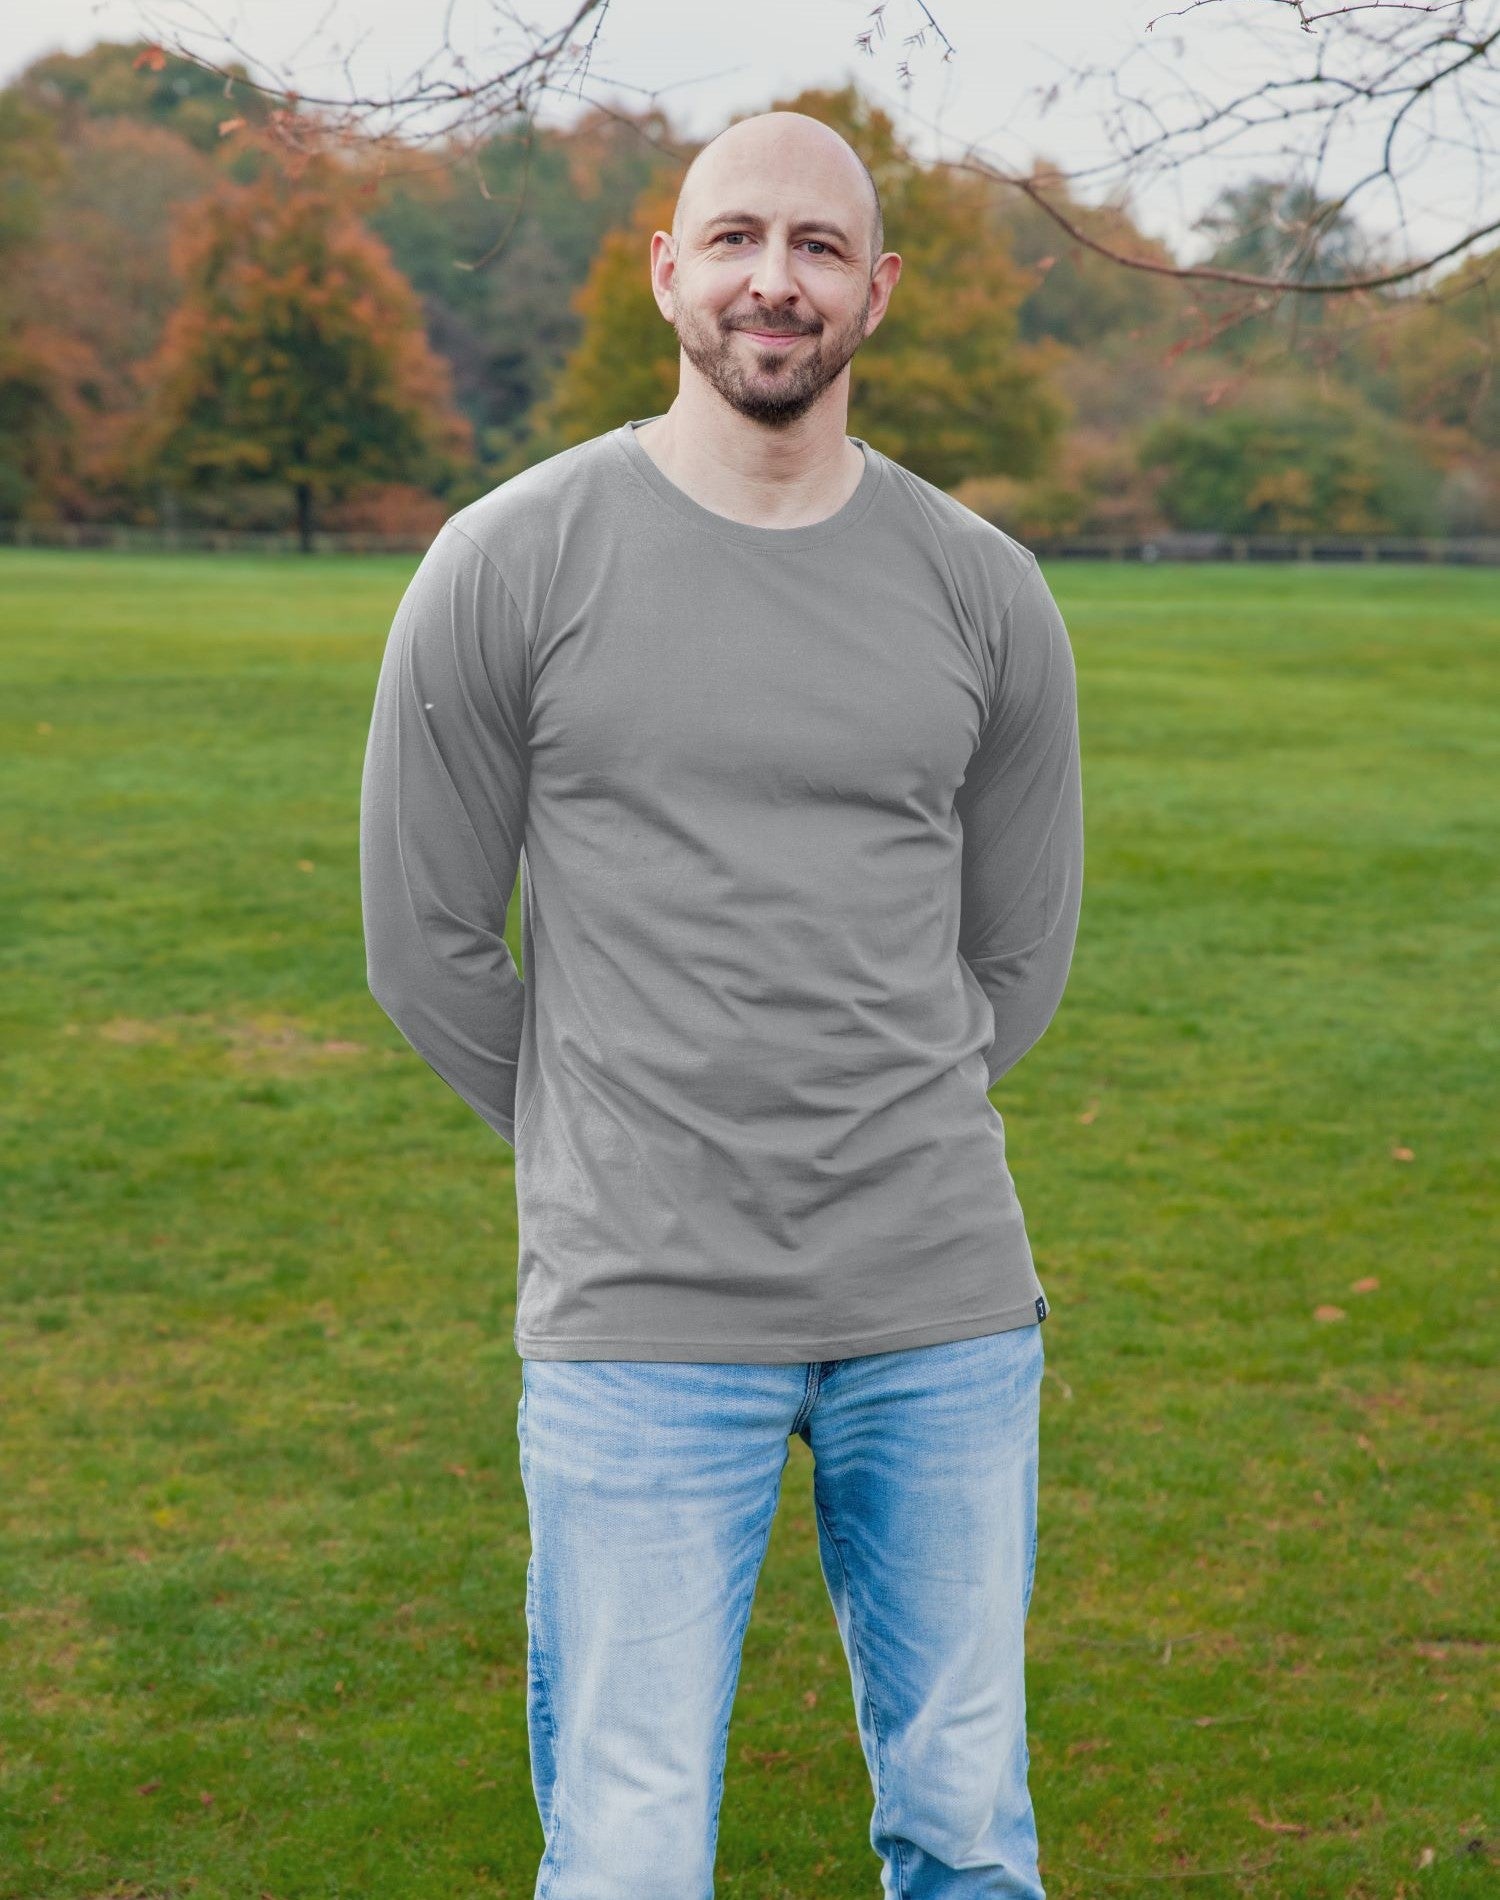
[(1377, 91)]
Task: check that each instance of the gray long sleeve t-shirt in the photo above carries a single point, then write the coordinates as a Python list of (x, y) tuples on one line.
[(798, 818)]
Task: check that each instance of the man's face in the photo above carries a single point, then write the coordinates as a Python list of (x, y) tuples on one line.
[(770, 307), (769, 320)]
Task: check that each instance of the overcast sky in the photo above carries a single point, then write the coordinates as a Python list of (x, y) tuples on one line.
[(704, 63)]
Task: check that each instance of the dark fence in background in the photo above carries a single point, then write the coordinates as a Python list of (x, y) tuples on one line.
[(1469, 550)]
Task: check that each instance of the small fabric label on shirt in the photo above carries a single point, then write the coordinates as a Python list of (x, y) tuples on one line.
[(1041, 1308)]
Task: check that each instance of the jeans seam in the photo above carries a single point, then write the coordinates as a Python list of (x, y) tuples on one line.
[(545, 1701), (809, 1394), (897, 1856), (556, 1814)]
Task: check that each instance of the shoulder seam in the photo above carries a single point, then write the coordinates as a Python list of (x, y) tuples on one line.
[(489, 561), (494, 568), (1032, 567)]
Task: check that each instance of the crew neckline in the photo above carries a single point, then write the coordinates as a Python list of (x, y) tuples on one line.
[(749, 534)]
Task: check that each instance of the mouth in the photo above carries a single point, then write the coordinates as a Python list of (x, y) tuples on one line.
[(772, 339)]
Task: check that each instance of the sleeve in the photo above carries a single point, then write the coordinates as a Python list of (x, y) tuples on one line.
[(1021, 806), (442, 820)]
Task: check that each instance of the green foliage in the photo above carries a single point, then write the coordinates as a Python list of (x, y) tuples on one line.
[(29, 409), (137, 80), (1074, 295), (1434, 360), (1304, 464), (1279, 227), (30, 156), (497, 248), (625, 361)]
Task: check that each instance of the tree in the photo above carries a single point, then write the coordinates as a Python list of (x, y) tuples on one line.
[(1079, 297), (1411, 81), (297, 355), (139, 81), (97, 286), (944, 384), (1291, 463), (625, 361), (30, 384), (496, 265)]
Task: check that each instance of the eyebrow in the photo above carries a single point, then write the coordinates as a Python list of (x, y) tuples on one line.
[(805, 225)]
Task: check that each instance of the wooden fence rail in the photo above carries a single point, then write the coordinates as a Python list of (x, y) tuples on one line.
[(1468, 550)]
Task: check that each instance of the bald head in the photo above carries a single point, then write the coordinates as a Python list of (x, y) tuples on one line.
[(786, 146)]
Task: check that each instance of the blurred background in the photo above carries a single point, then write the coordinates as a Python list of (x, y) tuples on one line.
[(229, 306), (1210, 294)]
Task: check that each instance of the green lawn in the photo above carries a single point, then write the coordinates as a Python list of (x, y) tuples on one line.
[(262, 1533)]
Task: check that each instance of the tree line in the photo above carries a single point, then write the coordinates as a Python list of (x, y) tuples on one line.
[(200, 325)]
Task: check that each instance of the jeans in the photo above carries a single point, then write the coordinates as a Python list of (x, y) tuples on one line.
[(651, 1487)]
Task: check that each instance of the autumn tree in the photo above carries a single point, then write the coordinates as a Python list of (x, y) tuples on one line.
[(944, 385), (139, 82), (297, 355), (97, 286), (1434, 366), (30, 381), (1382, 88)]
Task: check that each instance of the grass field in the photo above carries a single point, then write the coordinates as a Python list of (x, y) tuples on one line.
[(262, 1533)]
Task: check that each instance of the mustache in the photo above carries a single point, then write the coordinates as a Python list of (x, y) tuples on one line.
[(771, 329)]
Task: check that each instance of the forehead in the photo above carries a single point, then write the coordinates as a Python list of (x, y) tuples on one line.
[(797, 181)]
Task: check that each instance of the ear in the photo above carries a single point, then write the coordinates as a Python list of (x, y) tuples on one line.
[(883, 280), (663, 268)]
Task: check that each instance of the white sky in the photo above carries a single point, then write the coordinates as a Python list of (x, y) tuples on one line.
[(706, 61)]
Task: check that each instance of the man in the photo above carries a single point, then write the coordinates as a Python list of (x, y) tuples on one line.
[(784, 743)]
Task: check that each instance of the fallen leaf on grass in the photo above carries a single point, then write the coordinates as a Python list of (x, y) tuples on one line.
[(1329, 1312), (1279, 1827)]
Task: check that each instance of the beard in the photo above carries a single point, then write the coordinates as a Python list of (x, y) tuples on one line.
[(771, 386)]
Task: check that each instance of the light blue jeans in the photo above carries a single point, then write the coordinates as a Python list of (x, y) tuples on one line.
[(651, 1486)]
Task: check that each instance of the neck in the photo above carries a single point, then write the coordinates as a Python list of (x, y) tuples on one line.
[(773, 478)]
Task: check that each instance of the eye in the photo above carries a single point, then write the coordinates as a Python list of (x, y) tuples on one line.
[(725, 235)]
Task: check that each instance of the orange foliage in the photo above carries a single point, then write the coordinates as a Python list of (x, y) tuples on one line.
[(298, 353)]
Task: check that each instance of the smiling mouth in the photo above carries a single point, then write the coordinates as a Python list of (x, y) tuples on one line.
[(776, 336)]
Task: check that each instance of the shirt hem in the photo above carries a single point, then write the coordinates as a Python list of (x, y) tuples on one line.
[(1029, 1312)]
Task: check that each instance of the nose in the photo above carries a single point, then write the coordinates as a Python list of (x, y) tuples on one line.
[(771, 273)]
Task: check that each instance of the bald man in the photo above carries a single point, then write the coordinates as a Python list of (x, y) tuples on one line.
[(784, 744)]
